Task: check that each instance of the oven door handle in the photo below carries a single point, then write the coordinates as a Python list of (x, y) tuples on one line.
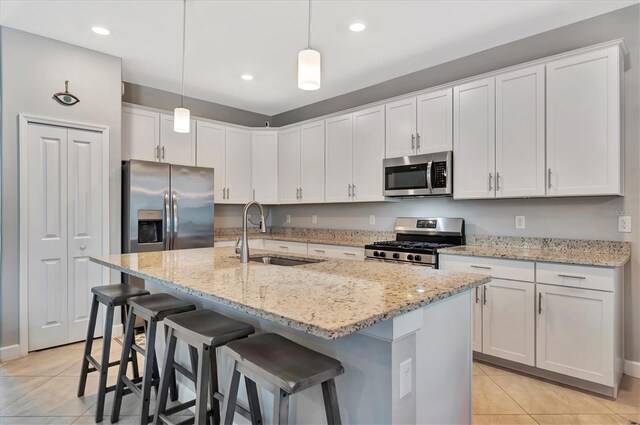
[(429, 185)]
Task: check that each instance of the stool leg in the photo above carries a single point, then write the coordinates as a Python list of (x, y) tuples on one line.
[(122, 368), (254, 402), (202, 384), (281, 408), (173, 388), (91, 328), (213, 386), (149, 363), (169, 353), (231, 395), (104, 363), (134, 355), (331, 402)]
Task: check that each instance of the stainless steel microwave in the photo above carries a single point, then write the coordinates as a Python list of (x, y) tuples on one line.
[(419, 175)]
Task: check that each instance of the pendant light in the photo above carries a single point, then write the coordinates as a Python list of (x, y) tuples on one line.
[(181, 115), (309, 63)]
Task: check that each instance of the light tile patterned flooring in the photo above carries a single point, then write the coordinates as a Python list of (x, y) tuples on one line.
[(41, 389)]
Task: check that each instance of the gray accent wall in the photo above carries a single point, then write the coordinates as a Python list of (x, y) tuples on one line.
[(160, 99), (583, 218), (33, 69)]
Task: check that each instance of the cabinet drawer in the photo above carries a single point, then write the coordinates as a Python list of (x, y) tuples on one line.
[(600, 278), (220, 244), (494, 267), (283, 246), (335, 251)]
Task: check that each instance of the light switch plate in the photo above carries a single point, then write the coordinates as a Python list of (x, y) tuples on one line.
[(406, 373), (520, 222), (314, 219), (288, 218), (624, 224), (372, 220)]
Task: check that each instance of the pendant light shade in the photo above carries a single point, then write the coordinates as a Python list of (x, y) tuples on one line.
[(309, 69), (181, 120)]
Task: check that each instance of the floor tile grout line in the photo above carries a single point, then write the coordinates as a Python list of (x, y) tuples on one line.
[(509, 395), (27, 394)]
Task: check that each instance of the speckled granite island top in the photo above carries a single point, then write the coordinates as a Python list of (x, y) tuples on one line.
[(329, 299)]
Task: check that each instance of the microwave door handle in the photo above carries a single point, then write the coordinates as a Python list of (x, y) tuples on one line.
[(167, 222), (429, 185)]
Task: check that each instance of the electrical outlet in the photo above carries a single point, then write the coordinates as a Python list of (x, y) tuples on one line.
[(288, 218), (406, 383), (372, 220), (624, 224), (520, 222), (314, 219)]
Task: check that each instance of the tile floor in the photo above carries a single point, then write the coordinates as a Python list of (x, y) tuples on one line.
[(41, 389)]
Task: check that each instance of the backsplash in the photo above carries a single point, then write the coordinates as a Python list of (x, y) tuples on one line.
[(549, 243)]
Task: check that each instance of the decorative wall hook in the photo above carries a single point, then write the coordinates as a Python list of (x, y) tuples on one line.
[(65, 98)]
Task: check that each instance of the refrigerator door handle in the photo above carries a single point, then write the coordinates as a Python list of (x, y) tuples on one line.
[(167, 222), (175, 221)]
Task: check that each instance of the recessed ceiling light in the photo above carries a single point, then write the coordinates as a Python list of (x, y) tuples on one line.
[(357, 27), (100, 30), (247, 77)]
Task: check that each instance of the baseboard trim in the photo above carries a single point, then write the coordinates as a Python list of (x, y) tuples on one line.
[(9, 352), (632, 368)]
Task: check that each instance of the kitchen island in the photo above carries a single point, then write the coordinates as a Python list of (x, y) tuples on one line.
[(376, 318)]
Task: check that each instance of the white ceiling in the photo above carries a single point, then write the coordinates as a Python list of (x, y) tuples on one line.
[(226, 38)]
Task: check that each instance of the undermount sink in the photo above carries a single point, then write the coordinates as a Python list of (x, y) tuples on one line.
[(283, 261)]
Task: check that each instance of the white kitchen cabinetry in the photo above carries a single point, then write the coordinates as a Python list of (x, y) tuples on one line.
[(238, 165), (177, 148), (520, 138), (401, 127), (140, 134), (354, 154), (285, 246), (264, 166), (584, 150), (478, 300), (289, 165), (435, 121), (336, 251), (211, 153), (474, 139)]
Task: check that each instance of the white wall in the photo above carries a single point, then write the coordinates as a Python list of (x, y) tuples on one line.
[(33, 69)]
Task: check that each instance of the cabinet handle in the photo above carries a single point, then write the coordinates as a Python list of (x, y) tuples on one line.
[(539, 302), (572, 276), (350, 191), (321, 251), (284, 247), (224, 193), (497, 182), (490, 182), (353, 190), (350, 254), (549, 178), (413, 142), (417, 141), (157, 148), (485, 294), (163, 152), (300, 193), (228, 196), (480, 267), (477, 296)]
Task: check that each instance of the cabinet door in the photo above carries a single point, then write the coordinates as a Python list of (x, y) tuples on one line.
[(508, 320), (583, 124), (477, 318), (140, 134), (289, 165), (211, 153), (575, 334), (238, 165), (474, 140), (520, 154), (368, 153), (435, 121), (339, 149), (177, 148), (312, 163), (264, 166), (401, 128)]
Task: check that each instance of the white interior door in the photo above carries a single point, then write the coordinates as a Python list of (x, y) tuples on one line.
[(177, 148), (210, 143), (289, 165), (84, 217), (47, 215), (401, 127), (264, 166), (312, 163), (238, 174), (368, 153), (339, 148)]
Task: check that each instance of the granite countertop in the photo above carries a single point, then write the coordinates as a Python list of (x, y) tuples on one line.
[(329, 299), (551, 250)]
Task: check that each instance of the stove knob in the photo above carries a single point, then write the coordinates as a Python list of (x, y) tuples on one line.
[(376, 253), (409, 257), (418, 258), (383, 254), (396, 256)]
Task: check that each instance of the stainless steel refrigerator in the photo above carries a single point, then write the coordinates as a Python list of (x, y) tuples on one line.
[(165, 207)]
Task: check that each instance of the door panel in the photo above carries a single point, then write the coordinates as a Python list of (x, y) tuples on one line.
[(84, 192), (179, 148), (264, 166), (368, 153), (477, 318), (289, 165), (211, 153), (312, 163), (400, 127), (47, 256), (238, 157), (339, 150), (435, 121)]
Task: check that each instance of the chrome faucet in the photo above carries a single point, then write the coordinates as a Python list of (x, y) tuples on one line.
[(243, 250)]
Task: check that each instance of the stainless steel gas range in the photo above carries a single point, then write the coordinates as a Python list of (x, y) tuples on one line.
[(418, 240)]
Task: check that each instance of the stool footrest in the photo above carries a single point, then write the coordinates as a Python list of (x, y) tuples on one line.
[(239, 409), (180, 407), (139, 349), (184, 371)]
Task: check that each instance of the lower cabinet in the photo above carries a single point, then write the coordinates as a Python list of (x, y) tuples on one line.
[(576, 332), (336, 251), (285, 246), (477, 318)]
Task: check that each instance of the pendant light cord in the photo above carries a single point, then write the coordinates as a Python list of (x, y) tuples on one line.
[(309, 27), (184, 31)]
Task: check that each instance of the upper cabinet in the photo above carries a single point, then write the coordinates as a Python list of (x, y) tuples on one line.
[(584, 154), (211, 153), (238, 169), (264, 166), (401, 128), (140, 134), (177, 148), (289, 166), (312, 163), (339, 158)]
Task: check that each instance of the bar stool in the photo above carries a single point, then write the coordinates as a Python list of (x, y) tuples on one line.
[(284, 367), (152, 309), (203, 331), (111, 296)]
